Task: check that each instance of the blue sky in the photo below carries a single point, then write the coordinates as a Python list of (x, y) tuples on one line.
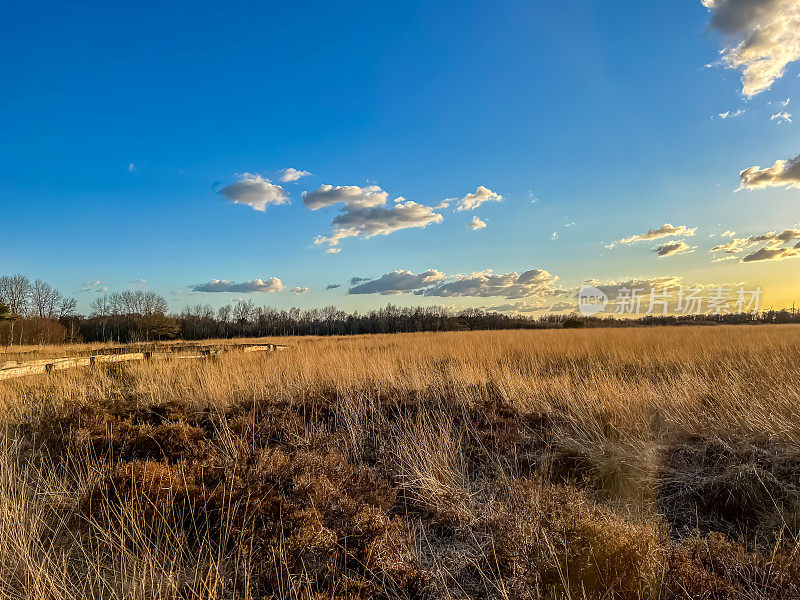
[(122, 127)]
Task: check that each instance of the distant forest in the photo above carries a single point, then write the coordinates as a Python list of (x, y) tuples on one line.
[(35, 313)]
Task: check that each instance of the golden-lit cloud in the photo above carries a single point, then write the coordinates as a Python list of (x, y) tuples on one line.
[(765, 254), (666, 230), (784, 173), (761, 37), (774, 246), (673, 248), (485, 284), (396, 282)]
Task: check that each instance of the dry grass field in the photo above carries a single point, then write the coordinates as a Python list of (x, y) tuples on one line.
[(631, 464)]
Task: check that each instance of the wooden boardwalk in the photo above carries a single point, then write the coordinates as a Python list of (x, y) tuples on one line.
[(13, 369)]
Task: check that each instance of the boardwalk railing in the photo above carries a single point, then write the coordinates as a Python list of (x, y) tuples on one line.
[(13, 369)]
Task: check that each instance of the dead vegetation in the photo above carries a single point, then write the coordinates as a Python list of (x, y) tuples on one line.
[(641, 464)]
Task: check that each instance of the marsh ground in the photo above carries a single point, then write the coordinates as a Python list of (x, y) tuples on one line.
[(633, 463)]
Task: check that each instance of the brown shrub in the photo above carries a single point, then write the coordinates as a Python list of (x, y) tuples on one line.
[(743, 487), (556, 540), (715, 567)]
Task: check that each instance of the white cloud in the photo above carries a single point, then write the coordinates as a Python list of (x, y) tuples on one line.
[(273, 284), (728, 233), (131, 167), (349, 195), (137, 284), (784, 173), (762, 38), (365, 214), (666, 230), (731, 114), (781, 117), (378, 220), (444, 203), (332, 250), (94, 287), (521, 307), (396, 282), (673, 248), (478, 197), (255, 191), (485, 284), (290, 174), (554, 235), (476, 224), (300, 290)]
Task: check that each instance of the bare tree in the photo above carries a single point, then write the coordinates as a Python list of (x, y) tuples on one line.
[(224, 313), (67, 306), (44, 298), (243, 311), (14, 291), (100, 306)]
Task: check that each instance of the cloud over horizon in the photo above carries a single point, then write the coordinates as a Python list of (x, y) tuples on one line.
[(485, 284), (96, 287), (396, 282), (271, 285), (255, 191), (521, 307), (481, 284)]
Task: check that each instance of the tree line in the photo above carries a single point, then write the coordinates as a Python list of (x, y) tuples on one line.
[(33, 312)]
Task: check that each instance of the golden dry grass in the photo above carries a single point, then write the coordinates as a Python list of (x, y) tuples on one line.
[(634, 463)]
